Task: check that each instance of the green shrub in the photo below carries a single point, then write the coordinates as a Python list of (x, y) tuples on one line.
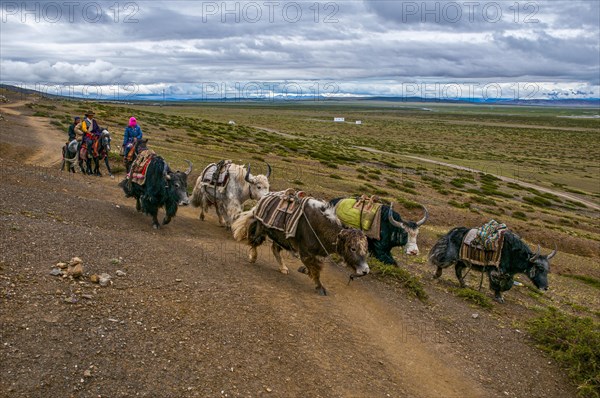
[(406, 279), (483, 200), (454, 203), (537, 201), (519, 215), (475, 297), (573, 341), (588, 280), (407, 203)]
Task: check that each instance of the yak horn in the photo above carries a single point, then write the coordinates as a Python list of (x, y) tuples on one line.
[(247, 178), (553, 252), (536, 255), (391, 217), (189, 169), (425, 217), (268, 170)]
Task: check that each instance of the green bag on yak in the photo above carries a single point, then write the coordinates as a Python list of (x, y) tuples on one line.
[(351, 213)]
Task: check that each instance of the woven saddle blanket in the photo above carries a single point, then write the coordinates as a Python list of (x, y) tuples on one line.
[(137, 173), (217, 174), (475, 252), (282, 210), (363, 213)]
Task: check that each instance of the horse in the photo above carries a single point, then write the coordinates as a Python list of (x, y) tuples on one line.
[(102, 149), (70, 156)]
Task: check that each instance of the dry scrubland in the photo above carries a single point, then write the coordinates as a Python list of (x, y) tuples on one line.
[(530, 144)]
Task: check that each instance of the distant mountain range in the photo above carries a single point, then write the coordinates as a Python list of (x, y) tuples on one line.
[(157, 98)]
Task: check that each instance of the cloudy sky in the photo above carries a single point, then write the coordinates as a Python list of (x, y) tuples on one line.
[(213, 49)]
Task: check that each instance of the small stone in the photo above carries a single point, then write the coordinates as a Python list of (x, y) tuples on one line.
[(178, 280), (104, 279), (120, 273), (86, 296), (75, 270), (56, 272), (269, 389), (475, 316), (71, 300), (94, 278), (74, 261), (61, 265), (87, 373)]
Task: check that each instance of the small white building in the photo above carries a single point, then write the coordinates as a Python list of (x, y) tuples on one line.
[(339, 119), (231, 122), (359, 122)]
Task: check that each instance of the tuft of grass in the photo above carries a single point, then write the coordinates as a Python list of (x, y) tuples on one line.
[(475, 297), (459, 205), (407, 203), (519, 215), (406, 279), (573, 341), (588, 280), (538, 201)]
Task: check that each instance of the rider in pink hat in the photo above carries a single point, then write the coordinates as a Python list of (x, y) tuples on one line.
[(133, 134)]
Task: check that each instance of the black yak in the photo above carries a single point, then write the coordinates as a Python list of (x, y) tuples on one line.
[(162, 187), (516, 257)]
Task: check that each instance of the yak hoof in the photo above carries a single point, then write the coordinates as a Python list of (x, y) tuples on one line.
[(303, 270), (155, 226), (499, 298), (438, 273), (166, 220), (284, 270), (321, 290)]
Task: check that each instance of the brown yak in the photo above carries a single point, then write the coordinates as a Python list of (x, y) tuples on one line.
[(319, 233)]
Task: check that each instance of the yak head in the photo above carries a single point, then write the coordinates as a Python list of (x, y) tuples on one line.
[(538, 268), (259, 184), (406, 232), (353, 246), (178, 184)]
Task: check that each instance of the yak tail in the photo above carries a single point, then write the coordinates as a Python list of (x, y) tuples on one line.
[(241, 226), (197, 193), (446, 250)]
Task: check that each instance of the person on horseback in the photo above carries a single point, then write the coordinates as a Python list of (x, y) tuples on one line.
[(72, 133), (133, 135), (90, 130)]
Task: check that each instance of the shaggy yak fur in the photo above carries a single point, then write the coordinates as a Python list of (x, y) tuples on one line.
[(516, 257), (162, 188), (319, 234)]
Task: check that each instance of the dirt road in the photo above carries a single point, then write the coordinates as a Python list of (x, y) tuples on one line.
[(192, 318)]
